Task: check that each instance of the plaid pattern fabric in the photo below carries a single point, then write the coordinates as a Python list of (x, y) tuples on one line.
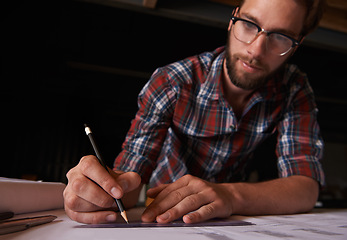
[(185, 126)]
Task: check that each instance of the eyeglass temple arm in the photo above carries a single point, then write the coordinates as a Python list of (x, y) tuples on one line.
[(235, 11)]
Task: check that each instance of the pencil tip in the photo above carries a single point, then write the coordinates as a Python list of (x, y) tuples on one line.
[(124, 215)]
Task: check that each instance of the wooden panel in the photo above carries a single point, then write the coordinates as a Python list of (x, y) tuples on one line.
[(150, 3), (340, 4), (228, 2), (335, 16)]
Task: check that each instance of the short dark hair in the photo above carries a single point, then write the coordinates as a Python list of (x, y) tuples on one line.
[(314, 13)]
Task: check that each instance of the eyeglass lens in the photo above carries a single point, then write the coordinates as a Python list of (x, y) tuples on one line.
[(276, 43)]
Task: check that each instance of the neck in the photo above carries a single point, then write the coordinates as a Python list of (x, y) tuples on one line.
[(232, 93)]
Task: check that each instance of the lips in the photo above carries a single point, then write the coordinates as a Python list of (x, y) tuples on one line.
[(252, 68)]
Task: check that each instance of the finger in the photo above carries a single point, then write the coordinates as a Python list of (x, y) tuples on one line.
[(78, 204), (127, 181), (92, 217), (188, 204), (166, 196), (161, 192), (153, 192), (86, 189), (163, 202), (91, 168), (204, 213)]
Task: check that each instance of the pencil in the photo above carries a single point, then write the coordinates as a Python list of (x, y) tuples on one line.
[(98, 155)]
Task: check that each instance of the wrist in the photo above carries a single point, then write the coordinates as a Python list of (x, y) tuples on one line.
[(236, 199)]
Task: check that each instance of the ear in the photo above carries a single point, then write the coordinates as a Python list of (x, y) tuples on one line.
[(233, 13)]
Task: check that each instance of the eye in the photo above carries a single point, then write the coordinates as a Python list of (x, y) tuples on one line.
[(249, 26), (279, 38)]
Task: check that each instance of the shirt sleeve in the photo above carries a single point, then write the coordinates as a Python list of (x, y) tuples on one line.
[(148, 130), (300, 145)]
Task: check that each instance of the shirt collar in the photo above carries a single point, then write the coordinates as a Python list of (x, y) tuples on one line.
[(211, 87)]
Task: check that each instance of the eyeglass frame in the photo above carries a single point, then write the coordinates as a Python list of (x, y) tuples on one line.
[(267, 33)]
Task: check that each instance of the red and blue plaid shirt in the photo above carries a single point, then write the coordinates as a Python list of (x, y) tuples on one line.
[(185, 126)]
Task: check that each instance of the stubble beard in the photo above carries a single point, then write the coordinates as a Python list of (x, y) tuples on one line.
[(245, 80)]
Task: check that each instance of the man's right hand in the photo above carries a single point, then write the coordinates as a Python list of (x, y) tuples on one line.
[(88, 197)]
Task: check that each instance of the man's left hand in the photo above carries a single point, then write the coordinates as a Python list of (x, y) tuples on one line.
[(191, 197)]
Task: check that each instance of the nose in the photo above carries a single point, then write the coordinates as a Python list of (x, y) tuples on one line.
[(257, 48)]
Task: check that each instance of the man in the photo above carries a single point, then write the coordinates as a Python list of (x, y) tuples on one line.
[(200, 120)]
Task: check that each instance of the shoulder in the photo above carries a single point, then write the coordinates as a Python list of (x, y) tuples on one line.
[(298, 87), (190, 70), (293, 76), (184, 75)]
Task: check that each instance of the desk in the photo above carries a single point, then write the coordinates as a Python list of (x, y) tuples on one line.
[(319, 224)]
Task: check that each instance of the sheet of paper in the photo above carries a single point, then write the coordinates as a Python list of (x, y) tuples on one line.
[(320, 224), (23, 196), (328, 224)]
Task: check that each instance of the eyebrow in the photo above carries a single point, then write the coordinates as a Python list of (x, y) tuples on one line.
[(277, 30)]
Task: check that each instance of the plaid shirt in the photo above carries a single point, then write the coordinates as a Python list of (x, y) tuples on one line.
[(185, 126)]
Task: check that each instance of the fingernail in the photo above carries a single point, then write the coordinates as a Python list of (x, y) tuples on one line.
[(190, 216), (111, 218), (115, 192)]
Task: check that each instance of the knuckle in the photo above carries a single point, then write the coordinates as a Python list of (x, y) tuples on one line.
[(193, 201), (177, 196), (188, 177), (66, 191), (71, 202), (71, 173), (200, 183), (209, 210), (78, 185), (68, 174), (85, 164)]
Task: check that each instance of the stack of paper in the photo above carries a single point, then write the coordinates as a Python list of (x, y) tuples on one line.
[(23, 196)]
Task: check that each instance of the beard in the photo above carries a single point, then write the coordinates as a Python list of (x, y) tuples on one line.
[(247, 80)]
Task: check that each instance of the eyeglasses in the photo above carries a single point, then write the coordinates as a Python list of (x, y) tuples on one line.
[(277, 43)]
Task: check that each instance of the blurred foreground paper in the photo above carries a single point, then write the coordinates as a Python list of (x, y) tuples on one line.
[(23, 196)]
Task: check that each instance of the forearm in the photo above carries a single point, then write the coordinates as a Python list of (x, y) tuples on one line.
[(289, 195)]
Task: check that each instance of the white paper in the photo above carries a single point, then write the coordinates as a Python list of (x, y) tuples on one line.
[(327, 224), (22, 196)]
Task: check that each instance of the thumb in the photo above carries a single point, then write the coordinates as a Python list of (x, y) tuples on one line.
[(128, 181)]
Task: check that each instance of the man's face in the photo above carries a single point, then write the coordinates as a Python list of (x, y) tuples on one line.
[(250, 65)]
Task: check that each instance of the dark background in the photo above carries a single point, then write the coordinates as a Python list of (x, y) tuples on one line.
[(66, 63)]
